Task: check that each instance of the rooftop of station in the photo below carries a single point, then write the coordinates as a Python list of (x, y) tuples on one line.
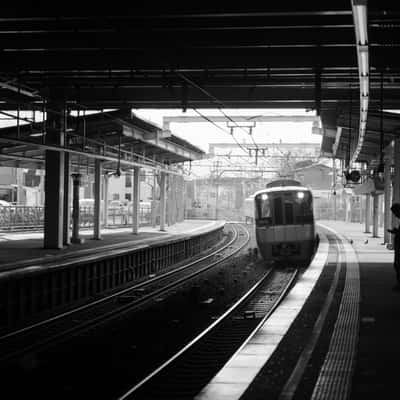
[(321, 56), (340, 131), (99, 134)]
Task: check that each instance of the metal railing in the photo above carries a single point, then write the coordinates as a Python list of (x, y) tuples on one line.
[(32, 217), (20, 217)]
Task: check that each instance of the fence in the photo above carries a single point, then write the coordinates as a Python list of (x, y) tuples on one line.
[(26, 217)]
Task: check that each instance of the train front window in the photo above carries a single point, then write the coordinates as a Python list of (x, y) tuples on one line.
[(284, 208), (289, 217), (264, 208), (304, 213), (278, 211)]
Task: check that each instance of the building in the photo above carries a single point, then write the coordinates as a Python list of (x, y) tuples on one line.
[(331, 199), (219, 198), (22, 186)]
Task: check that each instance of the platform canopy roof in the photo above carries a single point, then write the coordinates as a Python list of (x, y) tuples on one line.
[(96, 136), (339, 138), (275, 54)]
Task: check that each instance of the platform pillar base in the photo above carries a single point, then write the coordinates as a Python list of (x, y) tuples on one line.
[(77, 240)]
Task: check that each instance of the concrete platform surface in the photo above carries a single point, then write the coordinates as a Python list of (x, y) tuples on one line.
[(238, 373), (378, 350), (265, 366), (27, 247)]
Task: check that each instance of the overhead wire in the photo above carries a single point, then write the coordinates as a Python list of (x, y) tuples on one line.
[(219, 127), (217, 101)]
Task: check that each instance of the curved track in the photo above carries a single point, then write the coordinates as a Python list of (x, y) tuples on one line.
[(185, 373), (57, 328)]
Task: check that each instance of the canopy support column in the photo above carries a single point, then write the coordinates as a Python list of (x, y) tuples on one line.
[(98, 169), (375, 211), (367, 213), (54, 227), (54, 200), (163, 198), (396, 179), (136, 200), (153, 202), (67, 198), (76, 181), (387, 199), (105, 202)]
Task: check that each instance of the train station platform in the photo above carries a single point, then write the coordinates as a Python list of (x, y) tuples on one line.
[(335, 336), (378, 351), (37, 283), (22, 249)]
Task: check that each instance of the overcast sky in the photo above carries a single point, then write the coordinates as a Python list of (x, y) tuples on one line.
[(201, 134)]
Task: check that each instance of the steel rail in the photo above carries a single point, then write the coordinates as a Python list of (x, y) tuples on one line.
[(221, 319), (123, 309), (116, 294)]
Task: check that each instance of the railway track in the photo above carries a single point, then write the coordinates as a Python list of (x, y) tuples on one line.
[(51, 331), (186, 372)]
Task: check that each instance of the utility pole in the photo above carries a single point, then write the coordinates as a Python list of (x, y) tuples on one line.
[(257, 151)]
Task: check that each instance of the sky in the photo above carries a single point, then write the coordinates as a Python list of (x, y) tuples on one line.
[(203, 133)]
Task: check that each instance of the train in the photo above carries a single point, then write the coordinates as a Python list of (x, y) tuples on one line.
[(284, 222)]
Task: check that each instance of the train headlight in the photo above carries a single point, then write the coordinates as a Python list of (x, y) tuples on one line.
[(300, 195), (264, 196)]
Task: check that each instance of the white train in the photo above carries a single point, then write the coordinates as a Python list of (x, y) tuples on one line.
[(284, 219)]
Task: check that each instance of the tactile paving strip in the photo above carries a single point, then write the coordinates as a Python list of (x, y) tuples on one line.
[(335, 376)]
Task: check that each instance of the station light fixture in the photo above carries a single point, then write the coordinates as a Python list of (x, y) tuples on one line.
[(364, 65), (364, 86), (364, 104), (360, 20), (360, 17)]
